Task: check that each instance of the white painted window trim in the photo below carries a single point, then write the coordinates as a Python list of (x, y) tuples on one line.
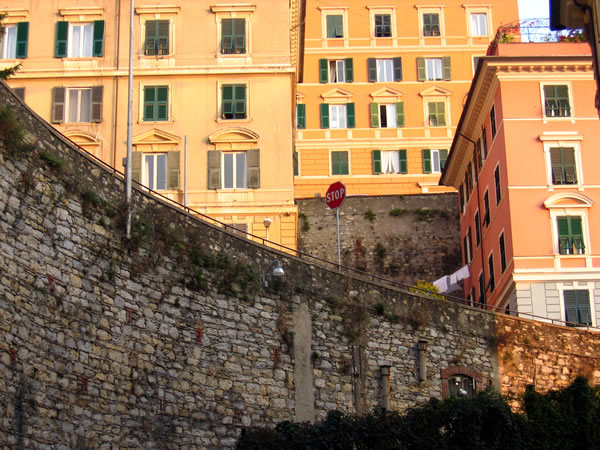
[(566, 142), (144, 173), (577, 285), (334, 11), (436, 99), (478, 9), (339, 107), (573, 212), (232, 11), (432, 9), (220, 84), (569, 85), (67, 103), (376, 10), (331, 164), (235, 170), (142, 85), (156, 12)]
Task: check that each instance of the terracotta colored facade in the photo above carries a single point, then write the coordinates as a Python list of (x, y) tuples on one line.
[(381, 89), (525, 162), (203, 71)]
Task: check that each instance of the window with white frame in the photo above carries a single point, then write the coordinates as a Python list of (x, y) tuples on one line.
[(154, 171), (80, 40), (563, 165), (337, 71), (433, 69), (434, 160), (557, 102), (479, 24), (9, 42), (79, 105), (385, 70), (234, 170), (337, 116), (577, 307), (570, 235), (431, 24), (387, 115), (389, 161)]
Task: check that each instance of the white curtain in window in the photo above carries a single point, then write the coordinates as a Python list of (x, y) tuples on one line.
[(390, 162), (479, 24), (390, 113), (385, 70), (9, 46), (434, 68)]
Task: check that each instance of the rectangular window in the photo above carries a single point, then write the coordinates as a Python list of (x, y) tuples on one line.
[(14, 41), (481, 300), (335, 27), (468, 247), (461, 198), (498, 187), (384, 70), (233, 101), (433, 69), (556, 99), (154, 172), (479, 25), (477, 228), (300, 116), (484, 146), (437, 114), (296, 165), (234, 170), (486, 208), (562, 161), (389, 161), (493, 121), (431, 24), (337, 116), (570, 235), (577, 307), (387, 116), (336, 71), (383, 25), (492, 282), (434, 160), (79, 102), (233, 36), (157, 38), (502, 253), (339, 163), (156, 103), (79, 40)]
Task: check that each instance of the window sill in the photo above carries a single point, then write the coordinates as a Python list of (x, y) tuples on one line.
[(151, 122), (247, 120)]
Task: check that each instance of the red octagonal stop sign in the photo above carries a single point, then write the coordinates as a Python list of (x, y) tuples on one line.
[(335, 195)]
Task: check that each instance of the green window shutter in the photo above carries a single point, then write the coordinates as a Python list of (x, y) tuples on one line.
[(240, 101), (136, 166), (376, 156), (162, 103), (301, 115), (335, 28), (421, 73), (214, 169), (324, 115), (374, 115), (350, 116), (253, 161), (226, 100), (323, 71), (372, 69), (397, 69), (97, 94), (400, 114), (150, 44), (349, 70), (571, 307), (563, 226), (403, 161), (173, 169), (446, 68), (98, 46), (162, 37), (62, 34), (443, 158), (426, 160), (58, 104), (149, 100), (22, 38), (583, 302)]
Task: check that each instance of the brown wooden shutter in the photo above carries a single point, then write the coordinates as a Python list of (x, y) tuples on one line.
[(253, 161), (214, 169), (97, 93), (58, 104), (173, 170)]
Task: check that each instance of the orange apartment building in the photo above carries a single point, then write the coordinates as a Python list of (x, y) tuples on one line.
[(381, 87), (525, 162), (205, 71)]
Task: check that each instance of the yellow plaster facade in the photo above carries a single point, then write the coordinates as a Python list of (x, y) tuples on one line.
[(392, 78), (205, 73)]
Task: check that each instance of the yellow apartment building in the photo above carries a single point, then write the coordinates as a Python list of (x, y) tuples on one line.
[(212, 102), (381, 88)]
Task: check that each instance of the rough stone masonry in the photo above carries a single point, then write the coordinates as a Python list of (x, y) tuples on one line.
[(179, 337)]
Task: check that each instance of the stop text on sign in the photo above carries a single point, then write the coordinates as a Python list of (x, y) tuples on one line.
[(335, 195)]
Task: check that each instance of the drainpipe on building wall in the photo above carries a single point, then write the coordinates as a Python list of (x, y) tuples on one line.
[(129, 124), (113, 154)]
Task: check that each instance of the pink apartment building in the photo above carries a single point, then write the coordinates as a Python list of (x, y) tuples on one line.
[(526, 163)]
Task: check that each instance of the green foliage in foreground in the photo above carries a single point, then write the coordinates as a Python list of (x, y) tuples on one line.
[(566, 419)]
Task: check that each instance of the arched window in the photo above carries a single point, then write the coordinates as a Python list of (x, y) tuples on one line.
[(461, 386)]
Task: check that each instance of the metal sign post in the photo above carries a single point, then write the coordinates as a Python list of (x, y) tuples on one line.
[(334, 197)]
